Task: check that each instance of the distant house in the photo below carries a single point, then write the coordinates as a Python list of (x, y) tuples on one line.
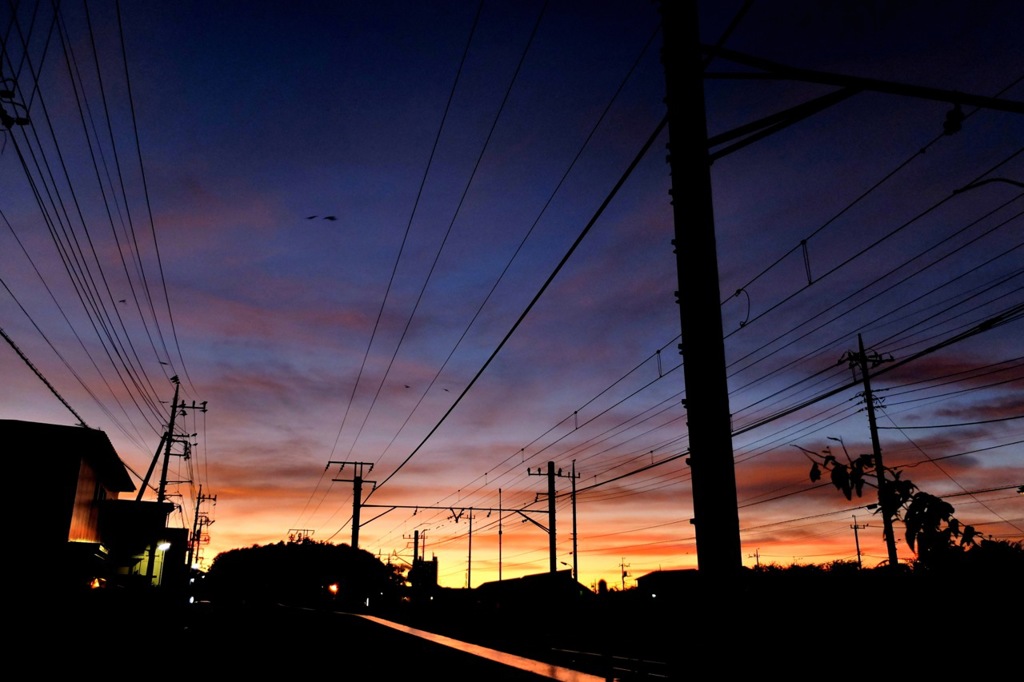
[(668, 584), (557, 589), (77, 531)]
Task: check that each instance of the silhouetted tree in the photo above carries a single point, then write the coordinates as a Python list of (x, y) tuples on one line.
[(933, 533), (303, 573)]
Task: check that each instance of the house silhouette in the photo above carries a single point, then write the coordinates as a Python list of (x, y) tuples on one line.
[(80, 535)]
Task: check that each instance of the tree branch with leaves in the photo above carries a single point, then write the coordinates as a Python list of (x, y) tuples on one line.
[(933, 533)]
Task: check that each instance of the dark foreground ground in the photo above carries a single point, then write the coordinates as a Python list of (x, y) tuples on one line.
[(232, 641), (807, 628)]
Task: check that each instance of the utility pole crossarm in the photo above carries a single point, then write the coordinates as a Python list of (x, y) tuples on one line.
[(533, 521), (783, 71), (552, 559), (357, 492)]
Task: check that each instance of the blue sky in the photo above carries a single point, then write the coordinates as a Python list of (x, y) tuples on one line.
[(350, 339)]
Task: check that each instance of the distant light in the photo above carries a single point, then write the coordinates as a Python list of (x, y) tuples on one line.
[(164, 546), (333, 588)]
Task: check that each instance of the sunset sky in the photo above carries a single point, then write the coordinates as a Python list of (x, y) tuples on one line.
[(331, 221)]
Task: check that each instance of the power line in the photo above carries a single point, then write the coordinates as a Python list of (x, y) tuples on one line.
[(39, 374)]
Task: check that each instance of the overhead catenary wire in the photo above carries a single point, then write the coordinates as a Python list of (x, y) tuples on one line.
[(543, 288), (614, 451), (398, 257), (61, 197)]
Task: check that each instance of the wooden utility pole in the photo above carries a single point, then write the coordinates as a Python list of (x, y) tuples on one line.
[(357, 492), (715, 511)]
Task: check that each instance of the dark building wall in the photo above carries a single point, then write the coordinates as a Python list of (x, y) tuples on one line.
[(67, 471)]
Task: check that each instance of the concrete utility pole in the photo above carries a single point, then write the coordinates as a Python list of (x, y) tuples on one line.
[(861, 360), (416, 554), (716, 518), (552, 549), (575, 549), (469, 560), (552, 559), (357, 492), (500, 531), (715, 511), (456, 515), (551, 516), (165, 443)]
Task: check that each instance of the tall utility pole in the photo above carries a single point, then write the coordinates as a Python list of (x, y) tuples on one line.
[(469, 563), (200, 522), (552, 559), (856, 539), (552, 543), (416, 535), (500, 531), (715, 510), (357, 492), (551, 517), (623, 565), (861, 360), (716, 518), (575, 552), (165, 443)]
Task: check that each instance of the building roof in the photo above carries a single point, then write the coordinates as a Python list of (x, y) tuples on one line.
[(546, 586), (57, 439)]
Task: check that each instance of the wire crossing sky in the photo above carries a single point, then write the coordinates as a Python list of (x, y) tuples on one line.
[(436, 238)]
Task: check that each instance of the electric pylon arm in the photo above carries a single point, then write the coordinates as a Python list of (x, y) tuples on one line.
[(534, 522)]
